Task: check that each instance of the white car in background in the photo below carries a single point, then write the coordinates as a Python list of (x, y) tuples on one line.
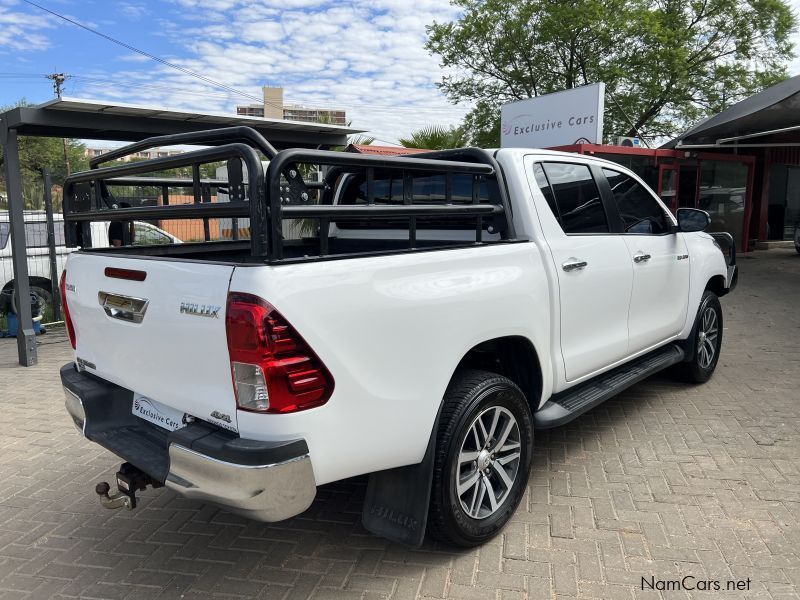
[(39, 253)]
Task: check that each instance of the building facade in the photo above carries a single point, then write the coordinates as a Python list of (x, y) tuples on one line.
[(144, 155), (273, 107)]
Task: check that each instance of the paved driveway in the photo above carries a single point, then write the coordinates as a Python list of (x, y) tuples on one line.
[(665, 481)]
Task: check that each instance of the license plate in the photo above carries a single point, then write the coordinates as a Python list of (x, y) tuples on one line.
[(157, 413)]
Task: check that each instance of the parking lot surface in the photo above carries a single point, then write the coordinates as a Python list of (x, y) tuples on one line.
[(664, 481)]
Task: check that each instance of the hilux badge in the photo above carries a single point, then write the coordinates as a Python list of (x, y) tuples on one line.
[(200, 310)]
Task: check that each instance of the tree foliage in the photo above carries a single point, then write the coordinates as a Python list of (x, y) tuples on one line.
[(435, 137), (665, 63)]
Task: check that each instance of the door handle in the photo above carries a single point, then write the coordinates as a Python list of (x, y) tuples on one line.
[(574, 265), (640, 258)]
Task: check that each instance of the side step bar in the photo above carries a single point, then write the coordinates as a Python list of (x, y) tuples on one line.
[(571, 403)]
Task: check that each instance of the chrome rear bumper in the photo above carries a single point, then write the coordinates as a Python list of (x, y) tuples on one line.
[(262, 492), (265, 481)]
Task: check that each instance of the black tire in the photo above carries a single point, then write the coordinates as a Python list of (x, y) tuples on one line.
[(697, 369), (472, 394), (44, 295)]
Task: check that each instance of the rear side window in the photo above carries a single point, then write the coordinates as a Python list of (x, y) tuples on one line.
[(36, 234), (640, 212), (572, 194)]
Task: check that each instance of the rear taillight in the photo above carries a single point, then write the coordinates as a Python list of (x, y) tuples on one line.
[(274, 370), (62, 286)]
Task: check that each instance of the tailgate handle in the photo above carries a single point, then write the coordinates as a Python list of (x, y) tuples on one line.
[(124, 308)]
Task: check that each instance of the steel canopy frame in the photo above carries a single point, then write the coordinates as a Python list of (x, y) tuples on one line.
[(90, 119)]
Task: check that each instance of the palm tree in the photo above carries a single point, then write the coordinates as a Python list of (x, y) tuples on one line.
[(436, 137)]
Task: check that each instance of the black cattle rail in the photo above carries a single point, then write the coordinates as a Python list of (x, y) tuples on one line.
[(85, 200), (268, 199), (284, 188)]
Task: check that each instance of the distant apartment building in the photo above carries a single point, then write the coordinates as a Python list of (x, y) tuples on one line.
[(143, 155), (274, 108)]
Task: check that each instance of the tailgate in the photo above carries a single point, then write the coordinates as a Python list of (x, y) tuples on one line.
[(177, 354)]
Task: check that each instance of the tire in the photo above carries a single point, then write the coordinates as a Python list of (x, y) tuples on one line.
[(704, 352), (471, 519), (43, 294)]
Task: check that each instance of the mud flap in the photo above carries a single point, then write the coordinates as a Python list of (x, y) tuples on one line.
[(397, 500)]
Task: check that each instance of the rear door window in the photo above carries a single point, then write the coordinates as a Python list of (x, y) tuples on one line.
[(572, 194)]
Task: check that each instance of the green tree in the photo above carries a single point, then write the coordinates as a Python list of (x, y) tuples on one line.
[(665, 63), (35, 153), (436, 137)]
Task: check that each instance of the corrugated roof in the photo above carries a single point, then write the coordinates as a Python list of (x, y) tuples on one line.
[(384, 150), (759, 116), (95, 119), (152, 112)]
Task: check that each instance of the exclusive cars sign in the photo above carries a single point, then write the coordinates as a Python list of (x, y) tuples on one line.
[(570, 117)]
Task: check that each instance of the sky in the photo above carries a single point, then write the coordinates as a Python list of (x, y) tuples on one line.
[(365, 56)]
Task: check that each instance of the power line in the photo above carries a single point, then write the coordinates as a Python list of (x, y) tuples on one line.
[(147, 54)]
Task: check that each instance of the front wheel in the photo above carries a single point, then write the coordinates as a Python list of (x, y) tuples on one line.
[(483, 457), (706, 341)]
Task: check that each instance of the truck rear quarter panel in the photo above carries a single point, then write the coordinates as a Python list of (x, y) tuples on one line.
[(392, 331)]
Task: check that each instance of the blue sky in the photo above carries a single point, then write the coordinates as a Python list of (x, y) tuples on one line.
[(365, 56)]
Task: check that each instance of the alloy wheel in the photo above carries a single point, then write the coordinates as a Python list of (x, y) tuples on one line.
[(488, 462), (707, 338)]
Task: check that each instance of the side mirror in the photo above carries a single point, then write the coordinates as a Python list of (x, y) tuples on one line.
[(692, 219)]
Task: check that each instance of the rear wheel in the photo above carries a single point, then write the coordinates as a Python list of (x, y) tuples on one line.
[(706, 341), (483, 456)]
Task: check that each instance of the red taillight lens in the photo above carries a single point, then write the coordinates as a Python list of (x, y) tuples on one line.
[(274, 370), (62, 286)]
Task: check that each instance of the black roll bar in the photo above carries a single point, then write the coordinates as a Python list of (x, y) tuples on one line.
[(225, 135), (289, 196), (280, 195), (255, 208)]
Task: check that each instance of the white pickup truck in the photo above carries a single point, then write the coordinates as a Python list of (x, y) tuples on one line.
[(438, 311)]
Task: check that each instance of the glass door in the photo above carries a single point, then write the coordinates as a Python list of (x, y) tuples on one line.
[(668, 185)]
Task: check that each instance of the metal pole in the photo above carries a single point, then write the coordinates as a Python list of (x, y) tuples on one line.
[(26, 338), (55, 291)]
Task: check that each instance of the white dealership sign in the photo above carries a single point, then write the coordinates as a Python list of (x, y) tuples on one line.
[(570, 117)]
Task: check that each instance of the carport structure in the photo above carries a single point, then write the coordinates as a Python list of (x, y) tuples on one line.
[(97, 120)]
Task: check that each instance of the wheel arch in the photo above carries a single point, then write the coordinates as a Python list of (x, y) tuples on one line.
[(512, 356), (717, 285), (42, 282)]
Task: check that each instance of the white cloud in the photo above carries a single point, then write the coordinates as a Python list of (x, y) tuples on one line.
[(366, 56), (21, 31)]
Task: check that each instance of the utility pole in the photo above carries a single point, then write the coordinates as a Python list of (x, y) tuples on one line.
[(58, 80)]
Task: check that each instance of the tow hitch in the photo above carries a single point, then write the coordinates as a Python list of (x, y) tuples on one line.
[(129, 481)]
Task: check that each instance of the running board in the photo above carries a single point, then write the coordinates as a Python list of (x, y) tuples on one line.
[(571, 403)]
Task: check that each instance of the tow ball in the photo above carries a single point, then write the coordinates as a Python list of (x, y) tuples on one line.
[(129, 481)]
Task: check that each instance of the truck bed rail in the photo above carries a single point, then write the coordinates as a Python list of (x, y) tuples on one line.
[(469, 194)]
